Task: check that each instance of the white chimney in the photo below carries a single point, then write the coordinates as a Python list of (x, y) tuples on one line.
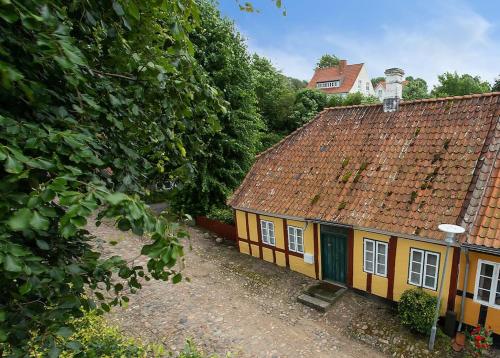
[(393, 89)]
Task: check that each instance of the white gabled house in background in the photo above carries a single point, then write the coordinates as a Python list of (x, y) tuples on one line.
[(380, 89), (342, 79)]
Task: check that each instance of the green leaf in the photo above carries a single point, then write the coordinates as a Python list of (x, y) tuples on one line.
[(12, 264), (20, 220), (116, 198), (42, 244), (118, 8), (39, 222), (13, 166), (25, 288), (177, 278), (75, 346), (3, 315), (54, 352), (64, 332), (3, 335), (133, 10)]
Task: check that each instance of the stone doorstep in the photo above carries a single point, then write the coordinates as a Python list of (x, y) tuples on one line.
[(328, 296), (313, 302)]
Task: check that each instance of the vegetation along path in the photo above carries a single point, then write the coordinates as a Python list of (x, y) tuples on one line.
[(233, 303)]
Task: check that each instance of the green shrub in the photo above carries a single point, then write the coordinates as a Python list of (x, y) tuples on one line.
[(416, 310), (224, 214), (93, 337)]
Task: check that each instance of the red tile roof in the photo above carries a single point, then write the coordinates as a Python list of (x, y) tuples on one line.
[(482, 215), (403, 172), (347, 75)]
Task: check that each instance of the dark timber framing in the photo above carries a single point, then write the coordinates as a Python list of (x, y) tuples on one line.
[(369, 282), (350, 257), (316, 250), (391, 269), (259, 236), (248, 234), (285, 239)]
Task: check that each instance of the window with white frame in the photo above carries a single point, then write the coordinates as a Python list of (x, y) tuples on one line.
[(367, 87), (375, 257), (267, 231), (424, 268), (328, 84), (296, 239), (487, 287)]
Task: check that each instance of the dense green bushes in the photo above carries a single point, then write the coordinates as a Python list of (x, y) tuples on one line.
[(416, 310), (224, 214), (97, 100)]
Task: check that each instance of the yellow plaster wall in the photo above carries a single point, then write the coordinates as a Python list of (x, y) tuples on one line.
[(280, 259), (472, 307), (267, 254), (298, 264), (278, 230), (402, 265), (379, 283), (252, 227), (244, 247), (255, 250), (241, 224)]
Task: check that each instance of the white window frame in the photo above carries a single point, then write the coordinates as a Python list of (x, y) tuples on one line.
[(423, 268), (293, 239), (328, 84), (375, 257), (266, 228), (494, 283), (410, 266)]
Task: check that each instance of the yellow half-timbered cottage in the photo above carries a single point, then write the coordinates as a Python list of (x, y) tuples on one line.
[(356, 195)]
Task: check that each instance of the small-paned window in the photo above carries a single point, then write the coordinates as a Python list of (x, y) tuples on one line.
[(296, 239), (487, 288), (328, 84), (424, 268), (267, 231), (375, 257)]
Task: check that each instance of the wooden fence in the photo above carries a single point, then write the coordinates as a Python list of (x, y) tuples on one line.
[(222, 229)]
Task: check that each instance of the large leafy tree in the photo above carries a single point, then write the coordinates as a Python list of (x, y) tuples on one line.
[(275, 93), (228, 154), (453, 84), (96, 97), (308, 102), (415, 88), (496, 85), (327, 60)]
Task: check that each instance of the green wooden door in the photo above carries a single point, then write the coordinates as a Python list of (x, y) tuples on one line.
[(334, 253)]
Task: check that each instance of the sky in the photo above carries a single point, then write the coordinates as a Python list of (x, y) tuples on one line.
[(424, 38)]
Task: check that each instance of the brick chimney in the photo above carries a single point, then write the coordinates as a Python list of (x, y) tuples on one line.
[(393, 89), (342, 64)]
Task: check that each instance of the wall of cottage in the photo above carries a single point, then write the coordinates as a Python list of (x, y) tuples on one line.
[(250, 241), (475, 311), (390, 286)]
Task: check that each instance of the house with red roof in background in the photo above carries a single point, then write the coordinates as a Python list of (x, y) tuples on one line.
[(355, 197), (342, 79)]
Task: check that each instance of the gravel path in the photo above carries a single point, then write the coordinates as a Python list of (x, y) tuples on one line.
[(233, 303)]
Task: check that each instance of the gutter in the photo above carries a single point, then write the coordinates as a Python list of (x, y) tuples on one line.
[(484, 249), (465, 250)]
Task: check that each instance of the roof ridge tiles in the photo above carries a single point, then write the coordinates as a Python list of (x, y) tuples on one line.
[(423, 100)]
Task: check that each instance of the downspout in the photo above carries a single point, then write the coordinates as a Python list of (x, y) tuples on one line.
[(464, 288)]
